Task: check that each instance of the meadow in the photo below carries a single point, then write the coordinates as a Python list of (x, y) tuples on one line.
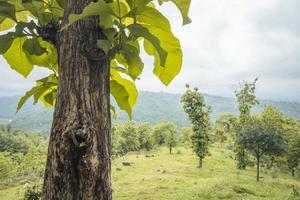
[(157, 175)]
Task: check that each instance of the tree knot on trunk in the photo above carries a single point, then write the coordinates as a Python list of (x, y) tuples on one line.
[(49, 32)]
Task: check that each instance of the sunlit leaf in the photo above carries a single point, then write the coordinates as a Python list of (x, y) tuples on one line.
[(184, 7), (16, 57), (124, 92), (141, 31)]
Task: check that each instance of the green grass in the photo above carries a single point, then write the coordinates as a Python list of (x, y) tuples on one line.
[(176, 177)]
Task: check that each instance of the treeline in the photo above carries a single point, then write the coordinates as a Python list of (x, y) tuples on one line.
[(22, 156), (131, 136)]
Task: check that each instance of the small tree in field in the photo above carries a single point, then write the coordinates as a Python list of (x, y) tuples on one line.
[(198, 113), (262, 136), (92, 50), (246, 99), (165, 133), (171, 137)]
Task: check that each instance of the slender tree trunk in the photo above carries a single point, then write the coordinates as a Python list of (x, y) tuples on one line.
[(200, 162), (293, 172), (257, 168), (78, 163), (170, 149)]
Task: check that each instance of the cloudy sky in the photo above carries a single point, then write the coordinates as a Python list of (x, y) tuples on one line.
[(228, 42)]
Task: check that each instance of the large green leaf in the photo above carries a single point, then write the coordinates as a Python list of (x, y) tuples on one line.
[(7, 10), (16, 57), (48, 58), (130, 57), (173, 63), (150, 15), (183, 6), (158, 26), (33, 47), (124, 92), (5, 42), (139, 30)]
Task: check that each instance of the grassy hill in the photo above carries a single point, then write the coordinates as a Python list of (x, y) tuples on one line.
[(176, 177), (151, 107)]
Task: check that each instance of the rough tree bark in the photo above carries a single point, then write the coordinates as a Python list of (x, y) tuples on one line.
[(78, 163)]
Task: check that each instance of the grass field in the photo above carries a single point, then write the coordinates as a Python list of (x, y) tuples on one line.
[(176, 177)]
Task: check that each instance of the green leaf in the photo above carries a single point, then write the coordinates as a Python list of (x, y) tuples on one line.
[(173, 62), (6, 24), (141, 31), (100, 8), (32, 46), (16, 57), (137, 4), (124, 92), (6, 41), (150, 15), (34, 7), (184, 7), (45, 91), (48, 59), (7, 10), (159, 26), (130, 57), (27, 95), (105, 45)]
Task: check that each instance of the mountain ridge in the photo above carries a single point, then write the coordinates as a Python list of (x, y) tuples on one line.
[(151, 107)]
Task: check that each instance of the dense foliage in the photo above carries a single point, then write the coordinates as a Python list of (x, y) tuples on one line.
[(22, 156), (262, 135)]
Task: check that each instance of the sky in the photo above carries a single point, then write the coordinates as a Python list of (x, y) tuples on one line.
[(227, 43)]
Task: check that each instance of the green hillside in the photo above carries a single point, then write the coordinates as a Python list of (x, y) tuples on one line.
[(151, 107), (176, 177)]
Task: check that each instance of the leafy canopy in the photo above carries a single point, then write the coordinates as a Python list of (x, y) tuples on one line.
[(27, 41)]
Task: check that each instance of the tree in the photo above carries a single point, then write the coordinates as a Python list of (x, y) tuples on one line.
[(159, 133), (88, 46), (145, 136), (198, 113), (262, 136), (186, 136), (164, 133), (246, 99), (292, 133), (130, 138), (171, 136)]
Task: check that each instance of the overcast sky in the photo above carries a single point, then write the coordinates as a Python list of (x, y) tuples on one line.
[(229, 41)]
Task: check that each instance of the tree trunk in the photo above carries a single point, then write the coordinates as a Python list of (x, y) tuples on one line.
[(293, 172), (200, 162), (170, 149), (78, 163), (257, 168)]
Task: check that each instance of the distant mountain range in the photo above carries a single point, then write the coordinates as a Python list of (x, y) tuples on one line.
[(151, 107)]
